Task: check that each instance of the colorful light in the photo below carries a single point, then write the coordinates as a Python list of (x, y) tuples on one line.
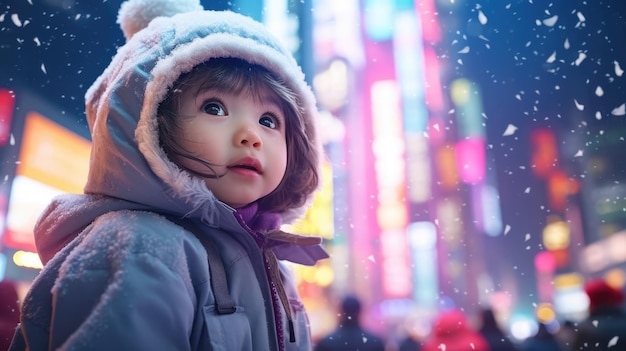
[(27, 259), (7, 104), (388, 148), (544, 157), (379, 19), (470, 158)]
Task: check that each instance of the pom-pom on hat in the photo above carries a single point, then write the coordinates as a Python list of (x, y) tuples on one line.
[(135, 15), (601, 294)]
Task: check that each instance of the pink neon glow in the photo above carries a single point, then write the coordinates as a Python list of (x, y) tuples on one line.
[(430, 24), (545, 262), (434, 96), (470, 159), (7, 102)]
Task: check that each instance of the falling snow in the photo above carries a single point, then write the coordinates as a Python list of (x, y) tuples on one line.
[(482, 18), (550, 22), (618, 69), (510, 130), (619, 111), (581, 57), (599, 91), (579, 106), (16, 20)]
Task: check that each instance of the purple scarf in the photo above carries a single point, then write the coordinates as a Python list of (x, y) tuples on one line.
[(262, 226)]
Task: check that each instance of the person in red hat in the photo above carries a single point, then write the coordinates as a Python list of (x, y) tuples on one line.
[(605, 327), (452, 332)]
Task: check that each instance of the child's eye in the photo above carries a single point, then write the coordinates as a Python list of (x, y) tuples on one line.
[(269, 121), (214, 108)]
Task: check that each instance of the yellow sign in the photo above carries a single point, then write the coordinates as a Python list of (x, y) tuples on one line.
[(318, 220), (53, 155)]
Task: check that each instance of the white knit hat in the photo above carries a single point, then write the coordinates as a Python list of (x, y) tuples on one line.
[(166, 38)]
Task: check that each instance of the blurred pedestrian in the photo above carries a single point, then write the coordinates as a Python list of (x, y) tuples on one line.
[(9, 312), (414, 328), (349, 334), (492, 332), (203, 145), (543, 340), (605, 327), (566, 335), (451, 332), (410, 343)]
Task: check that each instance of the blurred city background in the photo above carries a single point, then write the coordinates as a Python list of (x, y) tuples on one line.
[(475, 149)]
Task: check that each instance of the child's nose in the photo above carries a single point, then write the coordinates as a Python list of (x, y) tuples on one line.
[(248, 136)]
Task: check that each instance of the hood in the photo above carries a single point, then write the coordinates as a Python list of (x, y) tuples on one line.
[(126, 159)]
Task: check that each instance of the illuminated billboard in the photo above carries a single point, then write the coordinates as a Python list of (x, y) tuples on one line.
[(52, 160)]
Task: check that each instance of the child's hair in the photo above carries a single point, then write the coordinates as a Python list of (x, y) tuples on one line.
[(233, 75)]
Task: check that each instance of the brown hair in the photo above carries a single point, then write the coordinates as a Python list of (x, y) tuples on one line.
[(238, 76)]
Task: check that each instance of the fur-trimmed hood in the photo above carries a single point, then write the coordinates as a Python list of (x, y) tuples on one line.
[(127, 161)]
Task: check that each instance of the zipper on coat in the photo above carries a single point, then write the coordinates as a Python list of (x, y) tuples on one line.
[(292, 332), (274, 295)]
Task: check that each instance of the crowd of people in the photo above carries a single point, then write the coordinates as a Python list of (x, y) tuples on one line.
[(603, 329)]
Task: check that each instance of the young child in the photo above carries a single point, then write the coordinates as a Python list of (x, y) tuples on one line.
[(203, 145)]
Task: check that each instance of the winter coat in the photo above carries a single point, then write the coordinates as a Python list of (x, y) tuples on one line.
[(133, 280), (121, 271)]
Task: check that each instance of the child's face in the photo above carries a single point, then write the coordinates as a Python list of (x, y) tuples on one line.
[(243, 138)]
